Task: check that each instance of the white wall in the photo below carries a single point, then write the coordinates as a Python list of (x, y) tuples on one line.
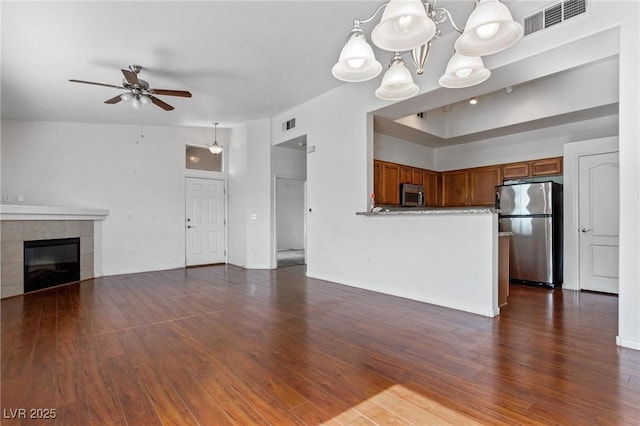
[(629, 295), (289, 162), (249, 197), (394, 150), (336, 234), (524, 146), (236, 197), (137, 172)]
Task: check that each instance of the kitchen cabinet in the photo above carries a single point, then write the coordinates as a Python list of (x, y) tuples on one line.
[(416, 176), (516, 170), (431, 183), (482, 185), (455, 188), (546, 167), (542, 167), (405, 174), (390, 180), (503, 269), (377, 182)]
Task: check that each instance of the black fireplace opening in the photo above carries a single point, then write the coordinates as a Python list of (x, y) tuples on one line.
[(48, 263)]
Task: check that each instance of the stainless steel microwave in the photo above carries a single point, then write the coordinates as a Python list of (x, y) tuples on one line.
[(411, 195)]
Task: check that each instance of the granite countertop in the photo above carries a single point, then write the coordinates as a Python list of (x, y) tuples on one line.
[(423, 211)]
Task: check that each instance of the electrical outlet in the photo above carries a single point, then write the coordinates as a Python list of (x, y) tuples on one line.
[(21, 198), (7, 198)]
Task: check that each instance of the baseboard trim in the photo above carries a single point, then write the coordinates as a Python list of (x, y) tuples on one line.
[(628, 343)]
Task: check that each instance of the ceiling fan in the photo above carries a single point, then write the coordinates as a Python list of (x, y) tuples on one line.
[(138, 90)]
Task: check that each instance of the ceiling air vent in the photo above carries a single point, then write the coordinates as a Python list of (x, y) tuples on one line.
[(554, 14)]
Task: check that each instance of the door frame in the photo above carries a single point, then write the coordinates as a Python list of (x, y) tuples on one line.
[(274, 219), (201, 174), (572, 153)]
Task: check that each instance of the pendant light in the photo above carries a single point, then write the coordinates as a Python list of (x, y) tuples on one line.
[(215, 148), (357, 61), (464, 71), (490, 29), (397, 83), (404, 26)]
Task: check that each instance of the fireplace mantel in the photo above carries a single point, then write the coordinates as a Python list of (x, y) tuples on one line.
[(25, 212)]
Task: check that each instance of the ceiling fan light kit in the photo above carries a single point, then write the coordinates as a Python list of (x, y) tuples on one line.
[(411, 25), (138, 91)]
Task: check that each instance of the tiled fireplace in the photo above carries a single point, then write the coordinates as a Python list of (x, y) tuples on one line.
[(22, 224)]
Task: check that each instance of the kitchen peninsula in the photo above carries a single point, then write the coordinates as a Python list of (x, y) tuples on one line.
[(443, 256)]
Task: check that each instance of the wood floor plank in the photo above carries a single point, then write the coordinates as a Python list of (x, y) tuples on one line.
[(200, 403), (167, 403), (222, 345)]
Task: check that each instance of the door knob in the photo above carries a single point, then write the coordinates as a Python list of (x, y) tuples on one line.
[(585, 230), (189, 226)]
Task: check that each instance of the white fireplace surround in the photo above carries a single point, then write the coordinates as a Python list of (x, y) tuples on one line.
[(21, 223)]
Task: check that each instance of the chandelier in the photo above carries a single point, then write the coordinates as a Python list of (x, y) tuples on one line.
[(412, 25), (215, 148)]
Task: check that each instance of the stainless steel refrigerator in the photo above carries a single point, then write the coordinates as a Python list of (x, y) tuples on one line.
[(533, 213)]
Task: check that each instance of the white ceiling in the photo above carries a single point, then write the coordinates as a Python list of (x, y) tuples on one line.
[(241, 60)]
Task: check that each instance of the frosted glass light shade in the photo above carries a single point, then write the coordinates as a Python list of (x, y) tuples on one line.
[(357, 62), (464, 71), (136, 104), (126, 96), (404, 26), (397, 84), (145, 99), (215, 148), (490, 29)]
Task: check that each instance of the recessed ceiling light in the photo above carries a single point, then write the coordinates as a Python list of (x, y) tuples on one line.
[(473, 100), (508, 89)]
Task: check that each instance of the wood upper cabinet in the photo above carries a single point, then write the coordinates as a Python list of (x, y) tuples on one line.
[(416, 176), (482, 185), (377, 181), (516, 170), (543, 167), (405, 174), (431, 183), (390, 184), (546, 167), (455, 188)]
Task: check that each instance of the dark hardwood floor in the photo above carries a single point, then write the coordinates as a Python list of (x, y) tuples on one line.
[(222, 345)]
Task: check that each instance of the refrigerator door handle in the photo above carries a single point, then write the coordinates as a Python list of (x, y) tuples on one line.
[(497, 199)]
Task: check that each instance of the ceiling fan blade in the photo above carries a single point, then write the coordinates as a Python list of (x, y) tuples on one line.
[(131, 77), (97, 84), (165, 106), (166, 92), (113, 100)]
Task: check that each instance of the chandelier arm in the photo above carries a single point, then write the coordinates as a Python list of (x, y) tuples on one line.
[(447, 14), (369, 19)]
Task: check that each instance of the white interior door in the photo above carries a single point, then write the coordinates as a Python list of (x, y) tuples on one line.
[(599, 202), (205, 224)]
